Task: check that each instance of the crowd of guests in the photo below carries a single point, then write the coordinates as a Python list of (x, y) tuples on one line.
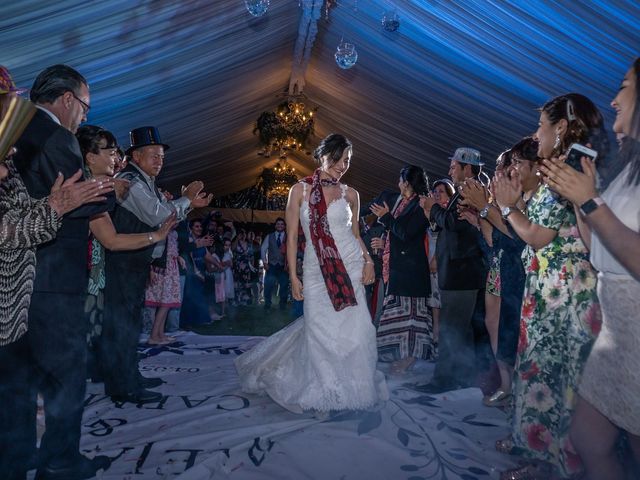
[(220, 266), (545, 254), (79, 246)]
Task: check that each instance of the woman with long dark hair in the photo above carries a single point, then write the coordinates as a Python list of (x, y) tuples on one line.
[(405, 331), (560, 310), (609, 393), (325, 360)]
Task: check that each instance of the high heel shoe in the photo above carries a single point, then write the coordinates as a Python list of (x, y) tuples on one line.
[(500, 398), (505, 445), (529, 471)]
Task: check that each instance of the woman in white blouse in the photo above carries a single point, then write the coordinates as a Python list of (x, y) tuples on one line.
[(610, 389)]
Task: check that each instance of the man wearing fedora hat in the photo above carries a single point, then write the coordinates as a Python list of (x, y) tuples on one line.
[(462, 273), (142, 210)]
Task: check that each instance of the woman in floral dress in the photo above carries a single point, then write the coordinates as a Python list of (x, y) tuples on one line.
[(560, 311), (163, 291), (242, 260)]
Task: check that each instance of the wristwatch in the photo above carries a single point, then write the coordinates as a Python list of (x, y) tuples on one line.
[(590, 205), (506, 211), (485, 211)]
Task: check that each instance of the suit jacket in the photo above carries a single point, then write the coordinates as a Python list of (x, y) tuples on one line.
[(461, 264), (408, 264), (44, 149)]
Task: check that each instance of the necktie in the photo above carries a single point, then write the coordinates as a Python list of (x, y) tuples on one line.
[(278, 240)]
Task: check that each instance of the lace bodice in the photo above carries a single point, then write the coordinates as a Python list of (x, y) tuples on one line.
[(340, 218)]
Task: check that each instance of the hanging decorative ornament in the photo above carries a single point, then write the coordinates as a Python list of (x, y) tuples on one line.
[(390, 21), (346, 55), (257, 8)]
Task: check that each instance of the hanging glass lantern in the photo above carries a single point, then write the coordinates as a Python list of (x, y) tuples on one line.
[(346, 55), (257, 8), (390, 21)]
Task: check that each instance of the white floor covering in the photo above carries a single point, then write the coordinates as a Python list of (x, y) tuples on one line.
[(206, 428)]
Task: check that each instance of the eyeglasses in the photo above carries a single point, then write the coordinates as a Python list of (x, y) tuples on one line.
[(85, 106)]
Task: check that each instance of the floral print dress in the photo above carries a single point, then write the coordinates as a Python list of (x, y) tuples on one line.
[(560, 321), (242, 272)]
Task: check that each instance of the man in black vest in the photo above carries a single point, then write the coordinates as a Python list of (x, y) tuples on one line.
[(462, 272), (127, 272), (57, 326), (273, 252)]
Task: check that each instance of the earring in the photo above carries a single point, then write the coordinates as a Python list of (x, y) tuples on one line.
[(556, 145)]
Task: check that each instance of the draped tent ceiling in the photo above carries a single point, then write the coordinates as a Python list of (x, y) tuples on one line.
[(456, 73)]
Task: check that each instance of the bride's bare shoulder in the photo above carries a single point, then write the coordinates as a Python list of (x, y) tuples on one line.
[(351, 193)]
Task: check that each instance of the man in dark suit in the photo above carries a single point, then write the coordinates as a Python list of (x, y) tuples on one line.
[(57, 328), (462, 272)]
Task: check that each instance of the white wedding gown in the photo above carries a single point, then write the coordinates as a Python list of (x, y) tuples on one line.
[(325, 360)]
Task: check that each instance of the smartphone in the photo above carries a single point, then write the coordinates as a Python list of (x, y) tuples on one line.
[(576, 152)]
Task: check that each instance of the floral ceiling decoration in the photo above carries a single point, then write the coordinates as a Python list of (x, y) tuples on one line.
[(286, 129)]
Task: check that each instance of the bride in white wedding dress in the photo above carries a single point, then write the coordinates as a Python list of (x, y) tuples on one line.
[(326, 359)]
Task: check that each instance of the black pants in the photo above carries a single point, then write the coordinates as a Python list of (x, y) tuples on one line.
[(58, 344), (456, 353), (15, 437), (122, 324)]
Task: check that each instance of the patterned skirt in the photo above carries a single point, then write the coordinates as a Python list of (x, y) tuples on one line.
[(405, 329), (493, 278)]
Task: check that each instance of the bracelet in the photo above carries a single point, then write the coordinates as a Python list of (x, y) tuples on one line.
[(365, 262), (151, 240)]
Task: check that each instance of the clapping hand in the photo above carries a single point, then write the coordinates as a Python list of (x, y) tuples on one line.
[(379, 210), (69, 194), (508, 189), (192, 190), (573, 185), (474, 194), (201, 200)]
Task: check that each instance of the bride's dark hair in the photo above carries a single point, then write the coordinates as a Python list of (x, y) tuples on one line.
[(332, 145)]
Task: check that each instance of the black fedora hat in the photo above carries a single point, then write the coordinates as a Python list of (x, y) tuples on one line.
[(143, 136)]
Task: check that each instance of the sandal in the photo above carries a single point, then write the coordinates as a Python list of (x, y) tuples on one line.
[(500, 398), (505, 445), (529, 471)]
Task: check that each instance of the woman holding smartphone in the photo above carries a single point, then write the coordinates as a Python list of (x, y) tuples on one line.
[(560, 312), (610, 388)]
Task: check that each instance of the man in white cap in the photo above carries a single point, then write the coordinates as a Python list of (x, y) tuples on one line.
[(462, 272)]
